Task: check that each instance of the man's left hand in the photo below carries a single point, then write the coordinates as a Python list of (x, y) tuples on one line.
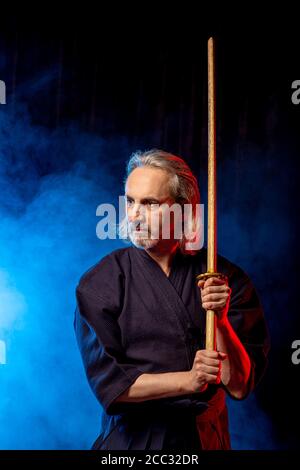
[(215, 295)]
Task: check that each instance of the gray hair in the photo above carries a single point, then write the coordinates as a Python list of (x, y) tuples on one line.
[(184, 187)]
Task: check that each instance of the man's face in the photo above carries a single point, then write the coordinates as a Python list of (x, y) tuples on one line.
[(146, 189)]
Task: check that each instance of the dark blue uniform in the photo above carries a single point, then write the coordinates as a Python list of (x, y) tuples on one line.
[(133, 319)]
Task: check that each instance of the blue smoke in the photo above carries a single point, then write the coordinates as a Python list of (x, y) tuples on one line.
[(51, 183)]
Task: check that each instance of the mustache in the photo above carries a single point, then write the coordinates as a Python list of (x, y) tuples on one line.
[(138, 225)]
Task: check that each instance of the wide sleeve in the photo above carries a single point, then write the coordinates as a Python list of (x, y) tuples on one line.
[(99, 339), (246, 316)]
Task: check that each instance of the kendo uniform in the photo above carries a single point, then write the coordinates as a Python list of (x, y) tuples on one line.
[(131, 318)]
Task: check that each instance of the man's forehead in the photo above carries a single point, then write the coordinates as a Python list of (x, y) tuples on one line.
[(147, 182)]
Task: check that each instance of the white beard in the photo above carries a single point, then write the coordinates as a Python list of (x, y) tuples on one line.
[(140, 240)]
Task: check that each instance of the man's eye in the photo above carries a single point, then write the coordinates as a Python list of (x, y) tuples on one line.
[(129, 202)]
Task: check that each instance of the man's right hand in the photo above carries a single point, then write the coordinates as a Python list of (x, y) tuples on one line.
[(206, 369)]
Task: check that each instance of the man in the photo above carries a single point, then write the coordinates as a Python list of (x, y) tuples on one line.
[(140, 323)]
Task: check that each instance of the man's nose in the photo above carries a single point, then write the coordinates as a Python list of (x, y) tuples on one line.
[(134, 212)]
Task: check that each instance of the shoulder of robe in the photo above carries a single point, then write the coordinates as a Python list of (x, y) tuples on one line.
[(232, 270), (105, 272), (224, 265), (244, 291)]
